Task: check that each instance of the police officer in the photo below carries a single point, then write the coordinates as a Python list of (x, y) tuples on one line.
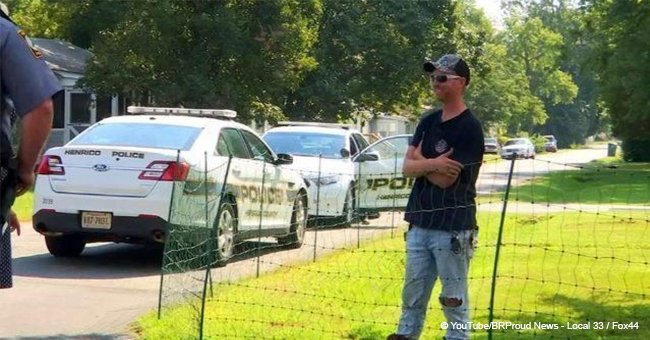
[(26, 89)]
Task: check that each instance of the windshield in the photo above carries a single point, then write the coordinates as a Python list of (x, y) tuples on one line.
[(491, 140), (306, 143), (549, 138), (515, 142), (140, 135)]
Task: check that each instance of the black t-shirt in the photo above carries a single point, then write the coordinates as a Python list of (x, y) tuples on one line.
[(453, 208)]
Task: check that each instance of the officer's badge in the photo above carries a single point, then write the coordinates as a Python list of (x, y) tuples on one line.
[(35, 51), (441, 146)]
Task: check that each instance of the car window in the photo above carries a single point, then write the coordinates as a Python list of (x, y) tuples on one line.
[(391, 147), (361, 142), (231, 142), (257, 147), (491, 140), (306, 143), (515, 142), (353, 147), (158, 136)]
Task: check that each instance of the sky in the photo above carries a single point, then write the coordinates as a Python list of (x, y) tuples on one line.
[(492, 9)]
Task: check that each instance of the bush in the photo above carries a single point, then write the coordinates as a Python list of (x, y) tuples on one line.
[(538, 141), (636, 150)]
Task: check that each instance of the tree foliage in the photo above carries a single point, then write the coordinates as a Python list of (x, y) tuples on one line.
[(619, 36)]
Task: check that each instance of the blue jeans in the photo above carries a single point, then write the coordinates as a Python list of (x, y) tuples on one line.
[(430, 255)]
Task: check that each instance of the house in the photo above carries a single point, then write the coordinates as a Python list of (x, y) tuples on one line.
[(75, 109)]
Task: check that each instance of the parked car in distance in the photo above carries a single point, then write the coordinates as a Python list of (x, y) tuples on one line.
[(519, 147), (551, 143), (115, 182), (492, 145)]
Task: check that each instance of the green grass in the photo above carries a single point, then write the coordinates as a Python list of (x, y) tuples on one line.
[(605, 182), (568, 267), (23, 206)]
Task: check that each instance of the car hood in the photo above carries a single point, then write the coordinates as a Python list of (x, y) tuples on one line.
[(309, 166), (514, 147)]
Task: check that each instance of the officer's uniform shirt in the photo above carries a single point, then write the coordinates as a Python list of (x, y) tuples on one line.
[(27, 81)]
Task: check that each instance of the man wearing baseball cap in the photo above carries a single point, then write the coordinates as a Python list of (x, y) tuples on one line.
[(445, 156)]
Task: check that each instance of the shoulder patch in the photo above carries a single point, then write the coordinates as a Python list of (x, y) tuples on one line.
[(35, 51)]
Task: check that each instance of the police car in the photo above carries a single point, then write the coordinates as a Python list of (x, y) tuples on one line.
[(115, 181), (349, 178), (323, 155)]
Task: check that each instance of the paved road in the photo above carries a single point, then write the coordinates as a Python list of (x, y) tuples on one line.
[(98, 294)]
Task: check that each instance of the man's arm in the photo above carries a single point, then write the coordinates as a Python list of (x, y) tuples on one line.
[(35, 129), (441, 171)]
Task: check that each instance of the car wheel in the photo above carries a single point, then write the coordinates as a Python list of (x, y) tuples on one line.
[(226, 230), (347, 218), (298, 225), (65, 246)]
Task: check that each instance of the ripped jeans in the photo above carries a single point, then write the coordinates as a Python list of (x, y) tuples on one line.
[(431, 254)]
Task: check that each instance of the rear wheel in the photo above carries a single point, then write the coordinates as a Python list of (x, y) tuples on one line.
[(347, 218), (65, 246), (296, 235), (226, 231)]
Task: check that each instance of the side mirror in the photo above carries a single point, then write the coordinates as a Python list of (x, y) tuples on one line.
[(367, 157), (345, 153), (283, 158)]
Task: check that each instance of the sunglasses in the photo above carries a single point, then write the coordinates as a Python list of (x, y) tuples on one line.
[(442, 78)]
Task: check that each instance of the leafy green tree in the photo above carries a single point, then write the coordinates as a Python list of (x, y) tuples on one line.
[(538, 49), (370, 56), (619, 33), (228, 54)]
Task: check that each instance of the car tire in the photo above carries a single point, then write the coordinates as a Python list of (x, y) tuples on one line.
[(298, 226), (347, 218), (226, 230), (65, 246)]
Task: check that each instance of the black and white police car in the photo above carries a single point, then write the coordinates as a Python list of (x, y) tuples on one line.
[(115, 180)]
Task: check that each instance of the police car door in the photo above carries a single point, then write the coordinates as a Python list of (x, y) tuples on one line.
[(378, 168), (242, 178), (275, 204)]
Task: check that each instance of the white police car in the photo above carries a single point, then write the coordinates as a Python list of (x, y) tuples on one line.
[(114, 182), (323, 154)]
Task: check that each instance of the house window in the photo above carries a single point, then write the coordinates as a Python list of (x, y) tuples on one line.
[(80, 108), (103, 107), (58, 101)]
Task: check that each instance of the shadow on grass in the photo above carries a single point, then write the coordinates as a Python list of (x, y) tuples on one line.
[(592, 313)]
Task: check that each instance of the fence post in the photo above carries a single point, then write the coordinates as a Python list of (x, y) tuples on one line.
[(392, 222), (259, 230), (498, 245), (169, 229), (213, 241), (320, 160)]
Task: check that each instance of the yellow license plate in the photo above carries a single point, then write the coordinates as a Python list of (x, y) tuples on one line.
[(95, 220)]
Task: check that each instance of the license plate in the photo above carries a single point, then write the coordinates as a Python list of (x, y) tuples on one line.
[(95, 220)]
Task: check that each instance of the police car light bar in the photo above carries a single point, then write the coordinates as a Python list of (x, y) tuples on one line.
[(316, 124), (211, 113)]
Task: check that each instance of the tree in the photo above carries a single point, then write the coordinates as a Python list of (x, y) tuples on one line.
[(226, 54), (370, 56), (538, 50), (618, 32)]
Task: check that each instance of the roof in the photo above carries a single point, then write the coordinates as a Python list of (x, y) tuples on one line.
[(62, 56), (173, 120), (313, 129)]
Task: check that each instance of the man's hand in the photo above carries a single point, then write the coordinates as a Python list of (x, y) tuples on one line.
[(447, 166), (25, 181), (14, 224)]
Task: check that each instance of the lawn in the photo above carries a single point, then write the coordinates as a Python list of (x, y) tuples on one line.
[(553, 268), (23, 206), (605, 182)]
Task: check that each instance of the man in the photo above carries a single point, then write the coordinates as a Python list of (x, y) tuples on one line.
[(445, 156), (26, 89)]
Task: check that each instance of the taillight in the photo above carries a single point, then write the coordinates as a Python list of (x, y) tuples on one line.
[(165, 171), (51, 165)]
